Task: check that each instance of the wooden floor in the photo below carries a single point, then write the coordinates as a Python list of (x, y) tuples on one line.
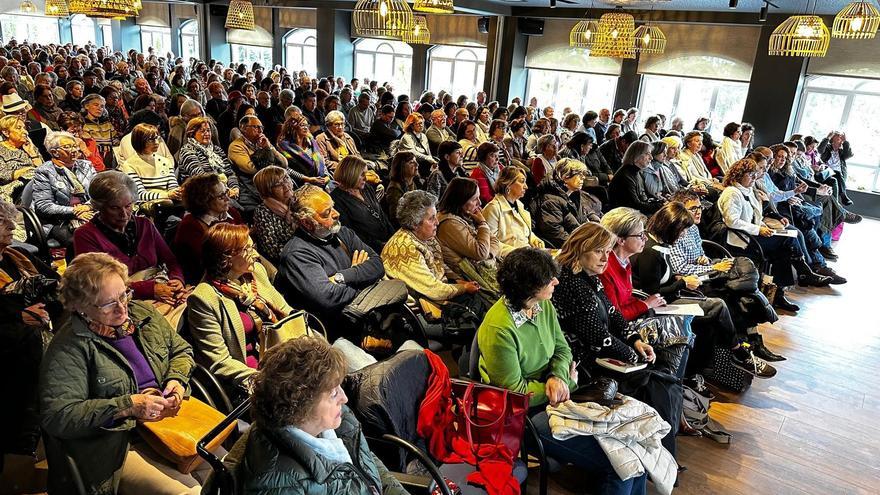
[(815, 427)]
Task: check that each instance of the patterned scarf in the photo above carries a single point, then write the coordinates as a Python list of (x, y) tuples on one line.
[(22, 264), (308, 155), (214, 159), (247, 298)]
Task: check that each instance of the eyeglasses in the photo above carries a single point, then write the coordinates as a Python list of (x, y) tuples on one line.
[(255, 126), (642, 235), (122, 300), (695, 209), (222, 195), (69, 147), (153, 139)]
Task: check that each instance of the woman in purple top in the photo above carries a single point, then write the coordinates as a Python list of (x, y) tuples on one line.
[(155, 274), (114, 363)]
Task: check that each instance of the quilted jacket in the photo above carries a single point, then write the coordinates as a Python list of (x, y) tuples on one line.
[(276, 463), (84, 382), (630, 435)]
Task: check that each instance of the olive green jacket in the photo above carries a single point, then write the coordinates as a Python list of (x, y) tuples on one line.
[(85, 382)]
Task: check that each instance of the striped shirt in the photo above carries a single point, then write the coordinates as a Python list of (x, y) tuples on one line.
[(154, 181)]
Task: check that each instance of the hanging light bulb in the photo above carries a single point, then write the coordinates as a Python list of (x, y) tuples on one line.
[(28, 7), (383, 9)]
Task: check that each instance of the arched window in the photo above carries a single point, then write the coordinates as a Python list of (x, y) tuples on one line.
[(189, 39), (384, 60), (300, 51), (82, 29), (456, 69)]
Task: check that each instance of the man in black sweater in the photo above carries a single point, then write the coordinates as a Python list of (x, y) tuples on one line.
[(325, 265)]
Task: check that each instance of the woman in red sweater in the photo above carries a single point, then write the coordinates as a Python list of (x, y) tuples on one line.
[(487, 170), (206, 198), (629, 227)]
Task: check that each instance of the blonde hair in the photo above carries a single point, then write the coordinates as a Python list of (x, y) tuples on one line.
[(588, 237), (267, 178), (569, 167), (85, 276)]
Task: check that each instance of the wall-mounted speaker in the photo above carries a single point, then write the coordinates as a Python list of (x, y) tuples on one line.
[(530, 26), (483, 25)]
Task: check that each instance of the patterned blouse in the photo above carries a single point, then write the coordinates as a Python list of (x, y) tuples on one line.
[(592, 325), (11, 161), (271, 233)]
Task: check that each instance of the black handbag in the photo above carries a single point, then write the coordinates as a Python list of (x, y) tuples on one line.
[(743, 276)]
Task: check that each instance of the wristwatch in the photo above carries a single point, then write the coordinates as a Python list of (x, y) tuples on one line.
[(339, 278)]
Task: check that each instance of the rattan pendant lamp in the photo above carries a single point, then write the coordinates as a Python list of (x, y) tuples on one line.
[(800, 36), (857, 21), (27, 7), (583, 34), (649, 39), (382, 18), (434, 6), (419, 34), (615, 37), (57, 8), (240, 15)]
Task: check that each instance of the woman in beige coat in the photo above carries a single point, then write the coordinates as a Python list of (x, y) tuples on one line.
[(463, 232), (508, 219), (227, 309)]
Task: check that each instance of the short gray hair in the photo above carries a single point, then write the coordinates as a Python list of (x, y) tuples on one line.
[(109, 185), (53, 140), (334, 116), (623, 221), (291, 110), (543, 141), (189, 105), (94, 96), (413, 206), (287, 93)]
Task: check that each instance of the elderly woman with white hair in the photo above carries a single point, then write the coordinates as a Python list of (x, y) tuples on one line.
[(413, 254), (335, 144), (671, 180), (560, 204), (16, 167), (98, 126), (61, 187), (545, 159)]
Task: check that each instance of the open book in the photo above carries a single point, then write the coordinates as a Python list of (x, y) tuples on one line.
[(620, 366)]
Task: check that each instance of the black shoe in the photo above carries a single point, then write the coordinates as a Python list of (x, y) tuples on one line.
[(698, 384), (828, 253), (828, 272), (760, 350), (852, 218), (813, 279), (744, 359), (845, 201), (784, 304)]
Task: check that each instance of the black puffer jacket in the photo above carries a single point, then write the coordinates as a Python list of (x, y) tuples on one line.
[(558, 213)]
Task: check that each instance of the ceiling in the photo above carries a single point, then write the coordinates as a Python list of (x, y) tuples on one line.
[(745, 6)]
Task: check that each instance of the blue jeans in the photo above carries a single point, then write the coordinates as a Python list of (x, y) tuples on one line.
[(585, 453)]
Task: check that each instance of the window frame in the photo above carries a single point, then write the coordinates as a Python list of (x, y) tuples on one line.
[(152, 32), (397, 57), (674, 112), (310, 34), (850, 95), (479, 72), (529, 93), (194, 35), (263, 49), (16, 19), (81, 20)]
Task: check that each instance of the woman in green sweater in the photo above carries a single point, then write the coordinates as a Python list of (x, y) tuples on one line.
[(522, 348)]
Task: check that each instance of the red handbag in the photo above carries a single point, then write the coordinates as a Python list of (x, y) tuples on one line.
[(489, 416)]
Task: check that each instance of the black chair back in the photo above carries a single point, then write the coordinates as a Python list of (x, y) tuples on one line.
[(222, 480)]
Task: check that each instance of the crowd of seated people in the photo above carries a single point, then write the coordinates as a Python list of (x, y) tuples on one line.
[(252, 191)]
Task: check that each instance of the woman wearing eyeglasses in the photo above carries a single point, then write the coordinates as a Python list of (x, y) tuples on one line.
[(273, 223), (207, 201), (152, 173), (199, 155), (61, 186), (227, 309), (95, 380), (301, 149)]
